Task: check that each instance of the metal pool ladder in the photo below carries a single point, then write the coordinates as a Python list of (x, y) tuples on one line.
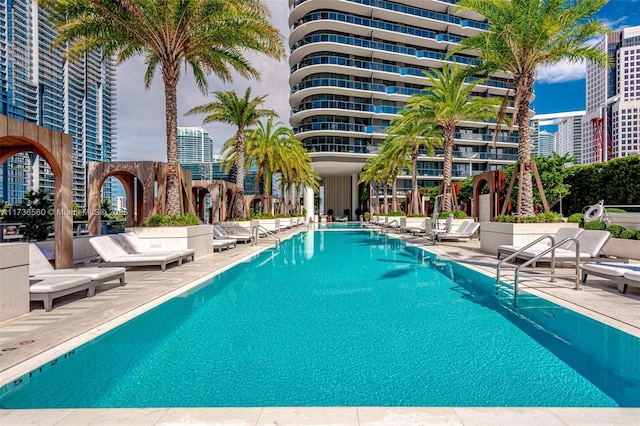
[(503, 278), (257, 229)]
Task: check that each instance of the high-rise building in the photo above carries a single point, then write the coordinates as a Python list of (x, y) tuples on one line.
[(567, 131), (195, 146), (39, 86), (610, 126), (354, 64)]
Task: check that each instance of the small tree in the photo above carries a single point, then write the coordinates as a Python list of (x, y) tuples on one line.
[(35, 212)]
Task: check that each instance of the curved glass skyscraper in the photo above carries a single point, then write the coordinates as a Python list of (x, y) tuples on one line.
[(354, 64)]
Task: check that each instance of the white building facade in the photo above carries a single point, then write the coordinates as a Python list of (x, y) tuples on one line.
[(610, 126), (355, 63)]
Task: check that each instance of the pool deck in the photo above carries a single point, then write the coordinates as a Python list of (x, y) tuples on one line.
[(33, 339)]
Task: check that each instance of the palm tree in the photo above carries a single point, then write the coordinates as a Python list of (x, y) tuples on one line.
[(242, 113), (394, 163), (447, 102), (526, 34), (267, 147), (408, 134), (210, 36), (372, 172)]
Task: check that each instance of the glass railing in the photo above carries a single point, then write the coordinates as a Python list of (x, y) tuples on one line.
[(336, 82), (376, 66), (352, 106), (423, 13), (329, 147), (366, 22), (386, 47), (341, 127)]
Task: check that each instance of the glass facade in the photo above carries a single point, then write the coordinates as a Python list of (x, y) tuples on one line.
[(38, 86), (355, 63)]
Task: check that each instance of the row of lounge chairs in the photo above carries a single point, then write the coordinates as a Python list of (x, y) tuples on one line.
[(467, 229), (116, 252)]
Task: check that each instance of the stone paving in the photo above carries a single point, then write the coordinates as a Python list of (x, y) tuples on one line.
[(33, 339)]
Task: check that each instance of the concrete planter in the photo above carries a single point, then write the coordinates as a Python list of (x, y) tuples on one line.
[(495, 234), (14, 280), (619, 247), (198, 237)]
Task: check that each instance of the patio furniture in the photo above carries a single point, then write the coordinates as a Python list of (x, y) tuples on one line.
[(613, 272), (134, 245), (46, 289), (39, 267), (219, 230), (591, 245), (111, 251), (561, 234), (466, 231)]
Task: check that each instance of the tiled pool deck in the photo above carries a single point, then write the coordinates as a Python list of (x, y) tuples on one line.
[(34, 338)]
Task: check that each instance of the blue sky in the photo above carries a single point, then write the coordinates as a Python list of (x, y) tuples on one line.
[(140, 116), (562, 88)]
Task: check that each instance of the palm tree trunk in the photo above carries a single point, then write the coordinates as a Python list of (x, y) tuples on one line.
[(376, 208), (524, 148), (415, 199), (394, 196), (171, 115), (238, 205), (385, 199), (447, 168)]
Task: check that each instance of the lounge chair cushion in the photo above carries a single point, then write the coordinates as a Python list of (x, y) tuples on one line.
[(132, 244), (608, 269), (591, 245), (56, 284), (560, 235)]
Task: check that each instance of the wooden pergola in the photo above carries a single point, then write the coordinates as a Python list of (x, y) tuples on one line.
[(56, 148)]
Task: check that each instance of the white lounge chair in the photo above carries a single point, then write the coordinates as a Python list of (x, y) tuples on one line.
[(45, 289), (631, 278), (219, 231), (133, 245), (416, 229), (467, 231), (39, 267), (560, 235), (112, 252), (220, 245), (611, 271), (591, 249)]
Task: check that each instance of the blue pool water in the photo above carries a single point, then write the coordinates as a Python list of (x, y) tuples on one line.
[(338, 319)]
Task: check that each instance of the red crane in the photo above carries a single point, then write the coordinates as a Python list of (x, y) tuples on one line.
[(598, 136)]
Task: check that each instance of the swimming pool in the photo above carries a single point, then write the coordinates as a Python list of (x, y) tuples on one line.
[(343, 318)]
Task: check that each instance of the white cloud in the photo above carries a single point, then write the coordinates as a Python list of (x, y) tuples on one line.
[(141, 113), (561, 72)]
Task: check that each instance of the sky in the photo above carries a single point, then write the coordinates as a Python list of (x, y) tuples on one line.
[(141, 118)]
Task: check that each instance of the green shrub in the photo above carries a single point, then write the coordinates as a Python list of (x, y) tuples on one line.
[(539, 218), (576, 218), (614, 210), (367, 215), (188, 219), (638, 234), (615, 230), (596, 225), (628, 234), (459, 214), (397, 214)]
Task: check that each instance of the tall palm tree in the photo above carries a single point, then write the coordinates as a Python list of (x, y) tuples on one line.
[(447, 101), (266, 148), (241, 112), (394, 164), (523, 35), (372, 172), (408, 134), (212, 36)]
